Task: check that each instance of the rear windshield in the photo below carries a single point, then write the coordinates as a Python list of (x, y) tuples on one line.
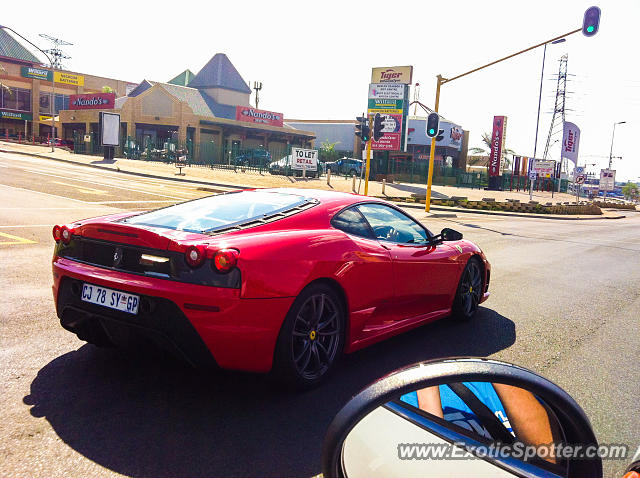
[(220, 211)]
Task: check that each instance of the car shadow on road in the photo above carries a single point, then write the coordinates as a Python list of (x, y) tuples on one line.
[(150, 416)]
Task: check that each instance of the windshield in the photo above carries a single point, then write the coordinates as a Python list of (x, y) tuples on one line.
[(219, 212)]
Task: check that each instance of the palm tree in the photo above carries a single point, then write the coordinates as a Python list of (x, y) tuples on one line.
[(486, 139)]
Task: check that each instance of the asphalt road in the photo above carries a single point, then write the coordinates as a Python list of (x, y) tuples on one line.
[(565, 301)]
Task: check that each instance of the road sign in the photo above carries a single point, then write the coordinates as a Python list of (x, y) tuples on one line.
[(580, 179), (533, 175)]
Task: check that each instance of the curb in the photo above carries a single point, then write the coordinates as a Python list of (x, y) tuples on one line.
[(133, 173), (513, 214)]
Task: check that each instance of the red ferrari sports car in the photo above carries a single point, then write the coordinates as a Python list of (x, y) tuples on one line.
[(282, 280)]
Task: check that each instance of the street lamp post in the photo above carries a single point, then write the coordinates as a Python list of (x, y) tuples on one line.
[(612, 136), (604, 195), (53, 87)]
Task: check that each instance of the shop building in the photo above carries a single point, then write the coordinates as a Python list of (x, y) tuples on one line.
[(27, 97), (209, 112)]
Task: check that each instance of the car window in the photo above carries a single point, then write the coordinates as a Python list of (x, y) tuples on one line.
[(389, 224), (219, 211), (352, 222)]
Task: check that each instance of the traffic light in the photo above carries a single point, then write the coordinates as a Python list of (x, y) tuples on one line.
[(378, 126), (440, 135), (591, 21), (433, 123), (362, 128)]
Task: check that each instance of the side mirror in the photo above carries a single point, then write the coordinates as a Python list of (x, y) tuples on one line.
[(461, 417), (450, 234)]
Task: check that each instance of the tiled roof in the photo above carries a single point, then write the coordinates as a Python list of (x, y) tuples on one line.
[(141, 88), (11, 48), (191, 96), (220, 73), (183, 79)]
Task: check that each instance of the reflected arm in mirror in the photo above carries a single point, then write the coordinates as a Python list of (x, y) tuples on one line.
[(529, 419), (429, 401)]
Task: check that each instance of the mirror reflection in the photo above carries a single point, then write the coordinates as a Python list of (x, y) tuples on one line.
[(454, 428)]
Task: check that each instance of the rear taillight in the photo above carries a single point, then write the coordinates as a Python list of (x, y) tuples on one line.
[(57, 233), (195, 256), (225, 259), (65, 234)]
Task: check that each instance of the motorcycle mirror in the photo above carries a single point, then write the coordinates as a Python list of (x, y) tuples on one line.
[(460, 417)]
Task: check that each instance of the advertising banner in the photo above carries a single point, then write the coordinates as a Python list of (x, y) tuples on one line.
[(386, 106), (92, 101), (497, 145), (544, 168), (391, 139), (68, 78), (607, 179), (58, 76), (570, 142), (35, 73), (306, 159), (516, 165), (386, 91), (252, 115), (392, 74), (14, 115)]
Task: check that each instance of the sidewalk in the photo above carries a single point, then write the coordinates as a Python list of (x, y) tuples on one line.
[(250, 179)]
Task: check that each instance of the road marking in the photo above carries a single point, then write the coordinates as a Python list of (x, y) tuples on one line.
[(26, 225), (16, 240), (109, 185), (131, 202), (84, 190), (46, 194)]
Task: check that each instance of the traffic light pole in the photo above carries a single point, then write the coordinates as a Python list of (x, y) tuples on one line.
[(366, 174), (442, 81), (432, 150)]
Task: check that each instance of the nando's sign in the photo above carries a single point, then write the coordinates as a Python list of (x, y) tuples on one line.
[(92, 101), (253, 115)]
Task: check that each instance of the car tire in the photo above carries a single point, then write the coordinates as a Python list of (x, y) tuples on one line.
[(311, 339), (469, 291), (352, 172)]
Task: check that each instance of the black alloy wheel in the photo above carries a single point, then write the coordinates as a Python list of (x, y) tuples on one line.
[(311, 338), (470, 292)]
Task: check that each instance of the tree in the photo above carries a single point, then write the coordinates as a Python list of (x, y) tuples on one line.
[(4, 87), (328, 150), (486, 139), (108, 89), (631, 190)]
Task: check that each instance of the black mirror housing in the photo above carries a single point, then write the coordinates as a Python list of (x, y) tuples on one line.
[(448, 234)]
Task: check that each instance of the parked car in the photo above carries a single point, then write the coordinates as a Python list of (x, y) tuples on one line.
[(283, 166), (255, 158), (347, 166), (257, 280)]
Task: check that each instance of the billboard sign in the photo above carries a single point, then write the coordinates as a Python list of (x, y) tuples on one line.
[(68, 78), (392, 74), (304, 159), (386, 106), (391, 139), (15, 115), (570, 142), (497, 145), (110, 129), (607, 179), (386, 91), (35, 73), (92, 101), (253, 115), (544, 168)]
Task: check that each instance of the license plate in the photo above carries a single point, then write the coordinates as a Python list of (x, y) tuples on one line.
[(110, 298)]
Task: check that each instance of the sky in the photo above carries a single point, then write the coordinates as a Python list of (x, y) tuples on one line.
[(314, 59)]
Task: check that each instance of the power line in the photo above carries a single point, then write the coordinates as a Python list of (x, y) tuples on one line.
[(57, 55)]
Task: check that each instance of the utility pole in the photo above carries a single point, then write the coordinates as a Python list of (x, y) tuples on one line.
[(257, 85)]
